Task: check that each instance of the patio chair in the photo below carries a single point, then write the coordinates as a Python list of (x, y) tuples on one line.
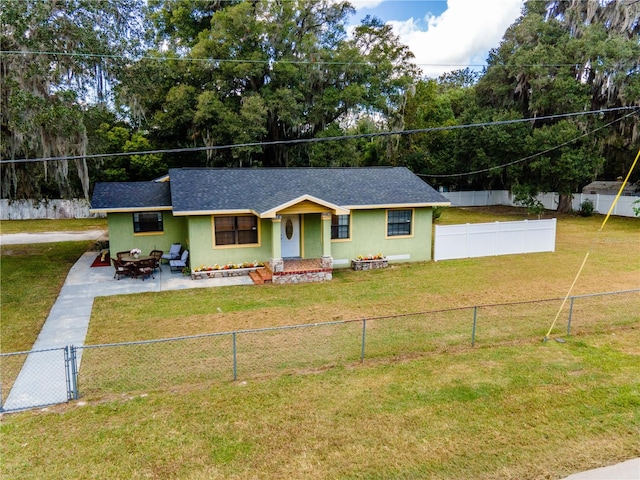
[(174, 252), (121, 268), (123, 254), (144, 268), (180, 263), (157, 257)]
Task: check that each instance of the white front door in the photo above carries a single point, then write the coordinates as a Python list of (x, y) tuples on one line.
[(290, 235)]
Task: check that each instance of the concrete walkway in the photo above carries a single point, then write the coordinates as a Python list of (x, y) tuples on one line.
[(46, 237), (42, 380), (629, 470)]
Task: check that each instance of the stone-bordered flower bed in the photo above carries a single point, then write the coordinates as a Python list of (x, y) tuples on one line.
[(228, 270), (369, 262)]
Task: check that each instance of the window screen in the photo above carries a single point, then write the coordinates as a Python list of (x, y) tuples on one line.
[(147, 222), (398, 222), (339, 226), (236, 230)]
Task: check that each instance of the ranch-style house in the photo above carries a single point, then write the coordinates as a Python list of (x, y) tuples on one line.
[(274, 215)]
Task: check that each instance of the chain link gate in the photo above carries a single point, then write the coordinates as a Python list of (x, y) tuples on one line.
[(38, 378)]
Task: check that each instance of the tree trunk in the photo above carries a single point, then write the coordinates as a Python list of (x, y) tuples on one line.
[(564, 203)]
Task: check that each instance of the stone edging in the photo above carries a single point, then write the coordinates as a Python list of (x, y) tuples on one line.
[(369, 264), (222, 273)]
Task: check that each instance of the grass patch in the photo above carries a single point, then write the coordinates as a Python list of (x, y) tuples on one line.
[(532, 411), (65, 225), (613, 265), (32, 276)]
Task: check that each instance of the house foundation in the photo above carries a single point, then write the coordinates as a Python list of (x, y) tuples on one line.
[(304, 271)]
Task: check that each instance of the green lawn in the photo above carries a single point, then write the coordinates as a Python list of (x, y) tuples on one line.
[(525, 410), (67, 225), (537, 410), (31, 278)]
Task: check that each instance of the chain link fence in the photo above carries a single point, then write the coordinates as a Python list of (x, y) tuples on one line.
[(38, 378), (178, 363)]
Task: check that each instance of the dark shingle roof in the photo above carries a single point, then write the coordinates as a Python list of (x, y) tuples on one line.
[(263, 189), (130, 195)]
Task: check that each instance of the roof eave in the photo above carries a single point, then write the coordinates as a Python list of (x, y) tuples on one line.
[(243, 211), (273, 212), (398, 205), (129, 209)]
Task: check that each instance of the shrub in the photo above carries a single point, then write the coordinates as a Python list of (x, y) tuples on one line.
[(587, 208), (437, 213), (527, 197)]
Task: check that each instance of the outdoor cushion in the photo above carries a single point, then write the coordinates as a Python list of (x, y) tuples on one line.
[(181, 262), (174, 252)]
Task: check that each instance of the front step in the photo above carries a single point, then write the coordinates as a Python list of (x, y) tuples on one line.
[(261, 276)]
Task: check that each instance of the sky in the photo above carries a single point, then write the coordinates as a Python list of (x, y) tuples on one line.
[(445, 35)]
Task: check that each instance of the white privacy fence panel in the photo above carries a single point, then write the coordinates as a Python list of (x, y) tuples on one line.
[(601, 203), (51, 209), (498, 238), (483, 198)]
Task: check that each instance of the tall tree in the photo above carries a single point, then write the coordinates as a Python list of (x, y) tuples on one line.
[(56, 58), (270, 71), (562, 57)]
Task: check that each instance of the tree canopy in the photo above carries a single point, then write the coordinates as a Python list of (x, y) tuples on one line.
[(263, 71), (57, 58), (267, 75)]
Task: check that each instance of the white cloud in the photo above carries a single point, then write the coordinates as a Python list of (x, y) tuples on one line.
[(365, 3), (461, 36)]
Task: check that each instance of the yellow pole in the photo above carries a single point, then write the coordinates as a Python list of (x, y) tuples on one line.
[(587, 255)]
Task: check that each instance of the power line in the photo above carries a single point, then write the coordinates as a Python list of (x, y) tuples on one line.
[(318, 139), (254, 61), (521, 160)]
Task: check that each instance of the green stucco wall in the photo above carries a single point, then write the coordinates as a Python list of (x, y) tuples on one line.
[(312, 241), (203, 252), (368, 236), (122, 238), (195, 233)]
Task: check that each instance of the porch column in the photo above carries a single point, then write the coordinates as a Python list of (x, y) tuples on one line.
[(327, 260), (276, 264)]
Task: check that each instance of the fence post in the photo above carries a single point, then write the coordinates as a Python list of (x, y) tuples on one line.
[(67, 371), (71, 370), (570, 315), (235, 358), (364, 336), (74, 371), (473, 330)]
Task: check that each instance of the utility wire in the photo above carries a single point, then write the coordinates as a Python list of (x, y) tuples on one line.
[(484, 170), (235, 60), (317, 139)]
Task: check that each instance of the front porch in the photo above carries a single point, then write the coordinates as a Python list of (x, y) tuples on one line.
[(302, 228), (294, 271), (303, 270)]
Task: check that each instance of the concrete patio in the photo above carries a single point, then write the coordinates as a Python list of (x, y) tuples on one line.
[(42, 378)]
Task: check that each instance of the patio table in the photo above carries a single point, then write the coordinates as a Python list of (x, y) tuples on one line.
[(134, 260)]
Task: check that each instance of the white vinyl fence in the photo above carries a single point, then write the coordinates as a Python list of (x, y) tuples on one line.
[(497, 238), (52, 209), (601, 203)]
